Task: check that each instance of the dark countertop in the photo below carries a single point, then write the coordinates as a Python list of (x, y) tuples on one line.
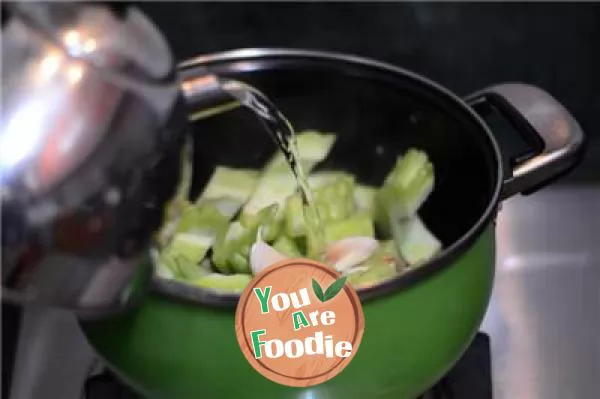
[(462, 46)]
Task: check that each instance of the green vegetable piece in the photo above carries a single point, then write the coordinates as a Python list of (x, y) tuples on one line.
[(294, 222), (268, 219), (239, 263), (320, 179), (238, 184), (198, 229), (201, 222), (364, 197), (233, 284), (315, 235), (190, 246), (360, 224), (405, 189), (272, 230), (201, 219), (271, 189), (205, 267), (277, 181), (229, 242), (228, 207), (232, 250), (263, 217), (180, 267), (335, 201), (196, 232), (287, 246), (416, 243), (302, 245), (312, 147)]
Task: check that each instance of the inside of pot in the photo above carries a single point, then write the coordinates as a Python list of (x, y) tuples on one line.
[(376, 115)]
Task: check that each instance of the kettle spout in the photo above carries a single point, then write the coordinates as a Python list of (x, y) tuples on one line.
[(206, 96)]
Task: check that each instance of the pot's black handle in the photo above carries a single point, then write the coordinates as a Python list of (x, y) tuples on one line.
[(538, 118)]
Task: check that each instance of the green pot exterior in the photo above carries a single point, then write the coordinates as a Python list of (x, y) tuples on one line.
[(411, 340)]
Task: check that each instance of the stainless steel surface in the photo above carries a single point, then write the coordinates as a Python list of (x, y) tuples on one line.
[(81, 85), (53, 358), (544, 317), (205, 96), (560, 134), (91, 135), (55, 56)]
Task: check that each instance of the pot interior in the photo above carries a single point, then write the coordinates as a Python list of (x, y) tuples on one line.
[(377, 112)]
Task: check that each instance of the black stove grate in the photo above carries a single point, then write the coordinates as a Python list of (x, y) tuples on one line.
[(470, 378)]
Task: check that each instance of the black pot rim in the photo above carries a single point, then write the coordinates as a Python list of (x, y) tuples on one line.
[(195, 295)]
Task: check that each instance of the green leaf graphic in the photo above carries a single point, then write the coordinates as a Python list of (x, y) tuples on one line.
[(317, 290), (334, 289)]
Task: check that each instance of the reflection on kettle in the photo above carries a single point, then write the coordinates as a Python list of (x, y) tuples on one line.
[(93, 125)]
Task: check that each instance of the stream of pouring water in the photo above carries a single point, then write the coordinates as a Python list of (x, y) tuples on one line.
[(282, 133)]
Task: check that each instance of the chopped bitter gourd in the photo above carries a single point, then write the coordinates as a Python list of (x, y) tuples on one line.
[(191, 246), (360, 224), (202, 218), (416, 243), (271, 189), (277, 181), (196, 232), (238, 184), (405, 189), (287, 247), (312, 148), (319, 179), (334, 201), (267, 219), (179, 266), (239, 262), (365, 198), (293, 214), (223, 196), (228, 243), (231, 251)]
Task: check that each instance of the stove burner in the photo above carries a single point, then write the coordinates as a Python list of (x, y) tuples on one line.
[(470, 378)]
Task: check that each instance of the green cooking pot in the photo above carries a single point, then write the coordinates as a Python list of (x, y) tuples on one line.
[(181, 343)]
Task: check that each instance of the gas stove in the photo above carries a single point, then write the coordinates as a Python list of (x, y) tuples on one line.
[(470, 378)]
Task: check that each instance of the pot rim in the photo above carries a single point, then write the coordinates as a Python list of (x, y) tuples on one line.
[(175, 290)]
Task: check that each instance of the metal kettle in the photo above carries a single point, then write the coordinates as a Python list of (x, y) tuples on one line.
[(94, 120)]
